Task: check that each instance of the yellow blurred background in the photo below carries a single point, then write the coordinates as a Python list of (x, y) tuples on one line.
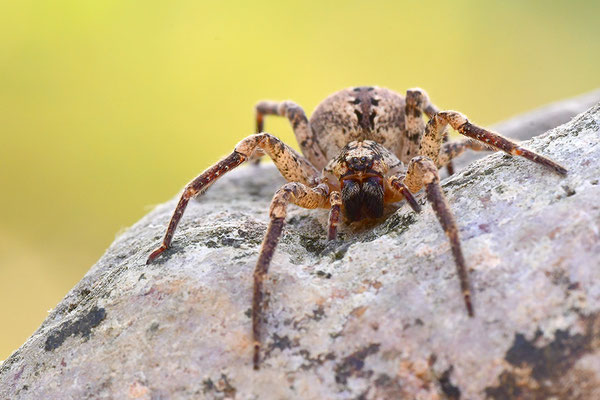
[(109, 107)]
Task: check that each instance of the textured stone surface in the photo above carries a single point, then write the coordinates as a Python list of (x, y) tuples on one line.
[(377, 315)]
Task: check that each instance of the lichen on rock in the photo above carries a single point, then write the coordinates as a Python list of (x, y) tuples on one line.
[(377, 315)]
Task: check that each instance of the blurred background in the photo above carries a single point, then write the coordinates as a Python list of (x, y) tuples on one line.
[(110, 107)]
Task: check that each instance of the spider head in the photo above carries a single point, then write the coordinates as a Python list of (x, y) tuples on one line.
[(360, 170)]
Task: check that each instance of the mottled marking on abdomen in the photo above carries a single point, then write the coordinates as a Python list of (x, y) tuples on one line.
[(362, 113)]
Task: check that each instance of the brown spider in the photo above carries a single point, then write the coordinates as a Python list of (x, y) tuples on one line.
[(363, 147)]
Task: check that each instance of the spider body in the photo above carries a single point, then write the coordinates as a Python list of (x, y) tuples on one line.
[(362, 148)]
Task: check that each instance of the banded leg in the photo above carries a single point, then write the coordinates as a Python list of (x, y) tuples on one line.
[(297, 117), (290, 164), (417, 102), (432, 140), (400, 191), (455, 148), (335, 201), (423, 172), (292, 192)]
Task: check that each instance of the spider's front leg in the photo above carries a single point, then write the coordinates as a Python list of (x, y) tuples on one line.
[(335, 201), (290, 164), (434, 131), (423, 172), (292, 192), (417, 103), (401, 192), (194, 188)]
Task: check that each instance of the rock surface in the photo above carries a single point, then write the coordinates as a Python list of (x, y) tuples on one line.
[(377, 315)]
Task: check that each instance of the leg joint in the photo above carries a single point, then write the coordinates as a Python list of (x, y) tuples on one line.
[(189, 191), (335, 198), (247, 146), (416, 98), (266, 107), (294, 113), (455, 119), (422, 169), (290, 188)]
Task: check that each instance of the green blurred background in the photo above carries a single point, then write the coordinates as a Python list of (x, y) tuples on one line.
[(109, 107)]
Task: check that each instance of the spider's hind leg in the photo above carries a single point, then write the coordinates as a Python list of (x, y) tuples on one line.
[(300, 124), (290, 164)]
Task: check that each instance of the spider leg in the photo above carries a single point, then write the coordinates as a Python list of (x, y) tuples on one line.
[(432, 139), (396, 183), (455, 148), (417, 102), (194, 188), (335, 201), (423, 172), (291, 165), (297, 117), (292, 192)]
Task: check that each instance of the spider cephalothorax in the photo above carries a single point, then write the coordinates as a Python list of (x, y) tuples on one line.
[(363, 147), (361, 168)]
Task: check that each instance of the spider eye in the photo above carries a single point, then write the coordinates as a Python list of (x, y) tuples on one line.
[(363, 159)]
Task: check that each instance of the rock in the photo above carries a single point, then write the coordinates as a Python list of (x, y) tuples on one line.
[(377, 315)]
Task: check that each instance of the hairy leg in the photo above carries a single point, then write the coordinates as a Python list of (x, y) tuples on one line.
[(451, 150), (292, 192), (432, 139), (292, 166), (399, 191), (423, 172), (335, 202), (417, 102), (297, 117)]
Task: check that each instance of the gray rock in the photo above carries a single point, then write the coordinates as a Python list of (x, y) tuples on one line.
[(377, 315)]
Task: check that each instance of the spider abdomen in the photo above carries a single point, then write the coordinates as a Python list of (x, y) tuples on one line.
[(360, 113)]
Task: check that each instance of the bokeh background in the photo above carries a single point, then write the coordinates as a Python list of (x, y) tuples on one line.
[(109, 107)]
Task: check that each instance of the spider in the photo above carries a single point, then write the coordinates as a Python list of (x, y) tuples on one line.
[(363, 147)]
